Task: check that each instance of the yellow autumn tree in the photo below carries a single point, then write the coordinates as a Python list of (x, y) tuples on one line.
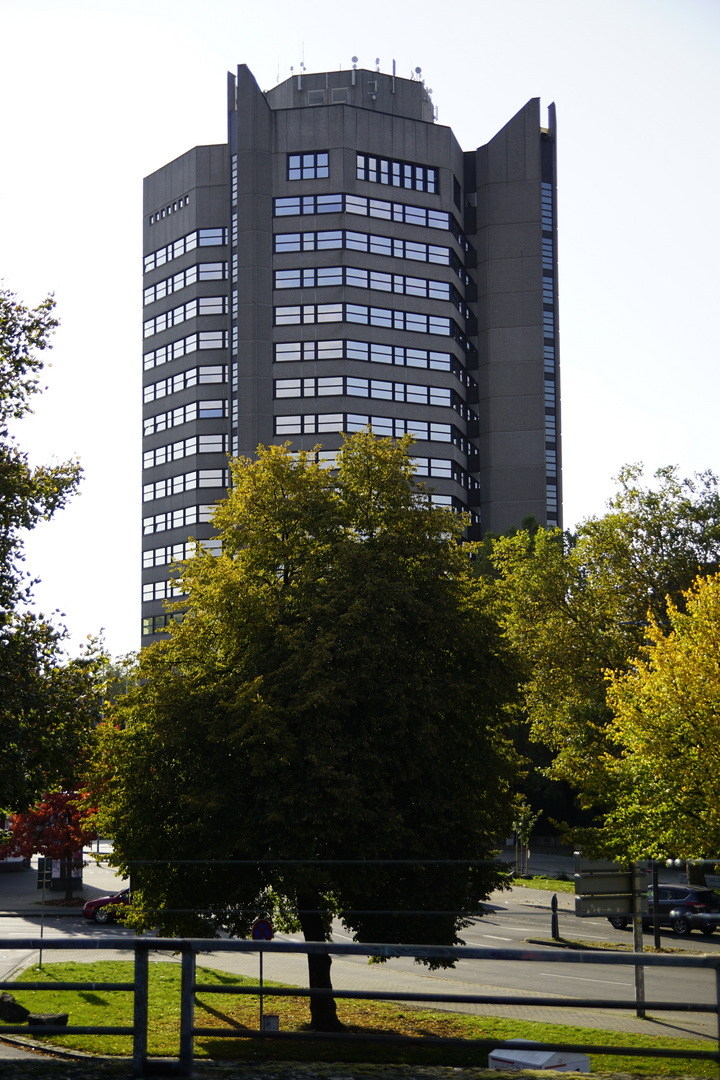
[(665, 796)]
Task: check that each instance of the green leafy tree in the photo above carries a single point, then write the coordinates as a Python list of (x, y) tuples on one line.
[(665, 796), (524, 821), (578, 605), (44, 702), (334, 694)]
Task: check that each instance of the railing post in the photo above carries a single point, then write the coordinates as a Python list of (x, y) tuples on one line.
[(637, 891), (140, 1015), (187, 1012), (656, 905)]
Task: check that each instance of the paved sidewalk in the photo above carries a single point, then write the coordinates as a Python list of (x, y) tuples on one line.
[(19, 893)]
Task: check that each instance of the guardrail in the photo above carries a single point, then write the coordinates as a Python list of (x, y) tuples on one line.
[(189, 948)]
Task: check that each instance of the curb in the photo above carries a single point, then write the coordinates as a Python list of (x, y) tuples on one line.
[(59, 913), (51, 1051)]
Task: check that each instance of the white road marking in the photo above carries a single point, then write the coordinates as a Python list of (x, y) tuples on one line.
[(495, 937), (605, 982), (537, 930)]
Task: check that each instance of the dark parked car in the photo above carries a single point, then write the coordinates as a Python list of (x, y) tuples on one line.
[(105, 908), (681, 907)]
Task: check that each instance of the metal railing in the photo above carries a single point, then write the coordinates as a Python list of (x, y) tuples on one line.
[(188, 949)]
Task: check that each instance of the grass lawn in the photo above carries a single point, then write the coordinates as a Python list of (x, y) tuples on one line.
[(548, 884), (91, 1007)]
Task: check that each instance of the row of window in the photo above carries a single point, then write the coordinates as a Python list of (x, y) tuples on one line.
[(199, 376), (376, 170), (436, 468), (316, 277), (339, 95), (163, 556), (547, 288), (390, 426), (291, 206), (214, 271), (546, 206), (549, 357), (443, 469), (178, 519), (199, 238), (412, 321), (196, 444), (548, 324), (334, 385), (373, 244), (373, 352), (403, 174), (201, 305), (548, 261), (158, 624), (161, 590), (184, 414), (205, 339), (175, 485), (552, 501), (171, 208), (315, 166)]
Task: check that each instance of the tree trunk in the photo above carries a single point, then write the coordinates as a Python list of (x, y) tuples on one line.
[(323, 1013), (68, 876)]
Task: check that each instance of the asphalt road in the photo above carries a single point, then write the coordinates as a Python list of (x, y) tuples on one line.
[(516, 926)]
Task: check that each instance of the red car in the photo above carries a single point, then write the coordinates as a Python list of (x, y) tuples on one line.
[(104, 908)]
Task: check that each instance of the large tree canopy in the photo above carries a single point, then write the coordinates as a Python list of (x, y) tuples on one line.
[(334, 693), (578, 605), (665, 798), (43, 702), (27, 495)]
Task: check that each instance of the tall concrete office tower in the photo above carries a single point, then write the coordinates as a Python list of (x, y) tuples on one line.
[(342, 262)]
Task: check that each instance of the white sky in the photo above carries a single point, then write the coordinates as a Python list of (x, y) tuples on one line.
[(98, 93)]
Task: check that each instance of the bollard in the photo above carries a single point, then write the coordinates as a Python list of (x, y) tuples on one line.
[(554, 927)]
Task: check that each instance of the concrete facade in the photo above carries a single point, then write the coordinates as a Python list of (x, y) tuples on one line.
[(341, 261)]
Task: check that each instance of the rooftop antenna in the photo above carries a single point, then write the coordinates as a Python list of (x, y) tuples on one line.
[(418, 72), (354, 69), (302, 71), (377, 63)]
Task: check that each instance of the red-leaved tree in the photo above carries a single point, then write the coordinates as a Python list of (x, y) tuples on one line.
[(56, 827)]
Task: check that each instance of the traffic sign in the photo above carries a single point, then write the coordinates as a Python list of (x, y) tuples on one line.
[(262, 930), (596, 884), (603, 905), (603, 887)]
